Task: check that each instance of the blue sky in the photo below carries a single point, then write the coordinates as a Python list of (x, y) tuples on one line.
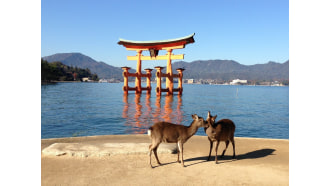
[(247, 31)]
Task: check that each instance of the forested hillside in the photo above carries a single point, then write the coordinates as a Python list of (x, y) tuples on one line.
[(57, 71)]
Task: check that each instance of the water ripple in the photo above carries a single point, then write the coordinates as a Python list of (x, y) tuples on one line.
[(83, 109)]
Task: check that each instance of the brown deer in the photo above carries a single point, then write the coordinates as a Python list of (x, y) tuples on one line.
[(172, 133), (222, 130)]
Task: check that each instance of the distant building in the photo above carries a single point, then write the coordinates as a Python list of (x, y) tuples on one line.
[(85, 79), (265, 83), (103, 81), (276, 83), (238, 82), (190, 81)]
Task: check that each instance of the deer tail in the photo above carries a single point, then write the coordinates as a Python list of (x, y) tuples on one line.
[(149, 131)]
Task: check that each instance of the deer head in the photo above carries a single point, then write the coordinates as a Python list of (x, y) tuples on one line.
[(199, 121), (210, 120)]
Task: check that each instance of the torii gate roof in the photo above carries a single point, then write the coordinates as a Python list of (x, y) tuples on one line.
[(159, 43)]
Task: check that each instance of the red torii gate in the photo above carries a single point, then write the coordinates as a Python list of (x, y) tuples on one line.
[(154, 47)]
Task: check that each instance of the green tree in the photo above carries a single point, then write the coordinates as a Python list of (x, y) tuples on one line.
[(57, 71)]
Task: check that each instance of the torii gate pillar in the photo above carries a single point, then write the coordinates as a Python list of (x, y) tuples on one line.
[(169, 72), (138, 72)]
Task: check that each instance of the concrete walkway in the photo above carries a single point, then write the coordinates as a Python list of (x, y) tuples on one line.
[(103, 149)]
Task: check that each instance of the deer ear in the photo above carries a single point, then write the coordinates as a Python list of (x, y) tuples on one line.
[(194, 116), (215, 117), (208, 114)]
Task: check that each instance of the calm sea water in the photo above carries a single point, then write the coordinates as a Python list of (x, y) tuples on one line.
[(86, 109)]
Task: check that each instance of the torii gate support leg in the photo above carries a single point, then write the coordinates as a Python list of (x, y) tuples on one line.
[(180, 70), (125, 74), (148, 80), (159, 81)]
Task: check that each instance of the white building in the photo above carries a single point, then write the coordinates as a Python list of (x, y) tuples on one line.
[(238, 82), (103, 81), (86, 79), (190, 81)]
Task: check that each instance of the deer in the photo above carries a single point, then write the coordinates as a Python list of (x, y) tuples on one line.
[(222, 130), (172, 133)]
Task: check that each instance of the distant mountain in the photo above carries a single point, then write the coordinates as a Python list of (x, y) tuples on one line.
[(102, 69), (225, 70), (228, 70)]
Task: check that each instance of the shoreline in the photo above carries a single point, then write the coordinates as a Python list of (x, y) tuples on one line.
[(53, 82), (260, 161), (147, 134), (123, 135), (134, 138)]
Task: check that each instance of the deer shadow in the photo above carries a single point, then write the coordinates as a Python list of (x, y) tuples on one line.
[(228, 158), (168, 163)]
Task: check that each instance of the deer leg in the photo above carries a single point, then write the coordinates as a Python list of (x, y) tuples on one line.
[(178, 152), (150, 155), (216, 152), (181, 150), (211, 146), (223, 152), (155, 152), (233, 143), (153, 147)]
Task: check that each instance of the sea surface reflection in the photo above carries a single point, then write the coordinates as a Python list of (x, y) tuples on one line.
[(89, 109), (140, 115)]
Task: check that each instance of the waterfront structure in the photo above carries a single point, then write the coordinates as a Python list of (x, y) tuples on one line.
[(85, 79), (153, 47), (238, 82), (191, 81)]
